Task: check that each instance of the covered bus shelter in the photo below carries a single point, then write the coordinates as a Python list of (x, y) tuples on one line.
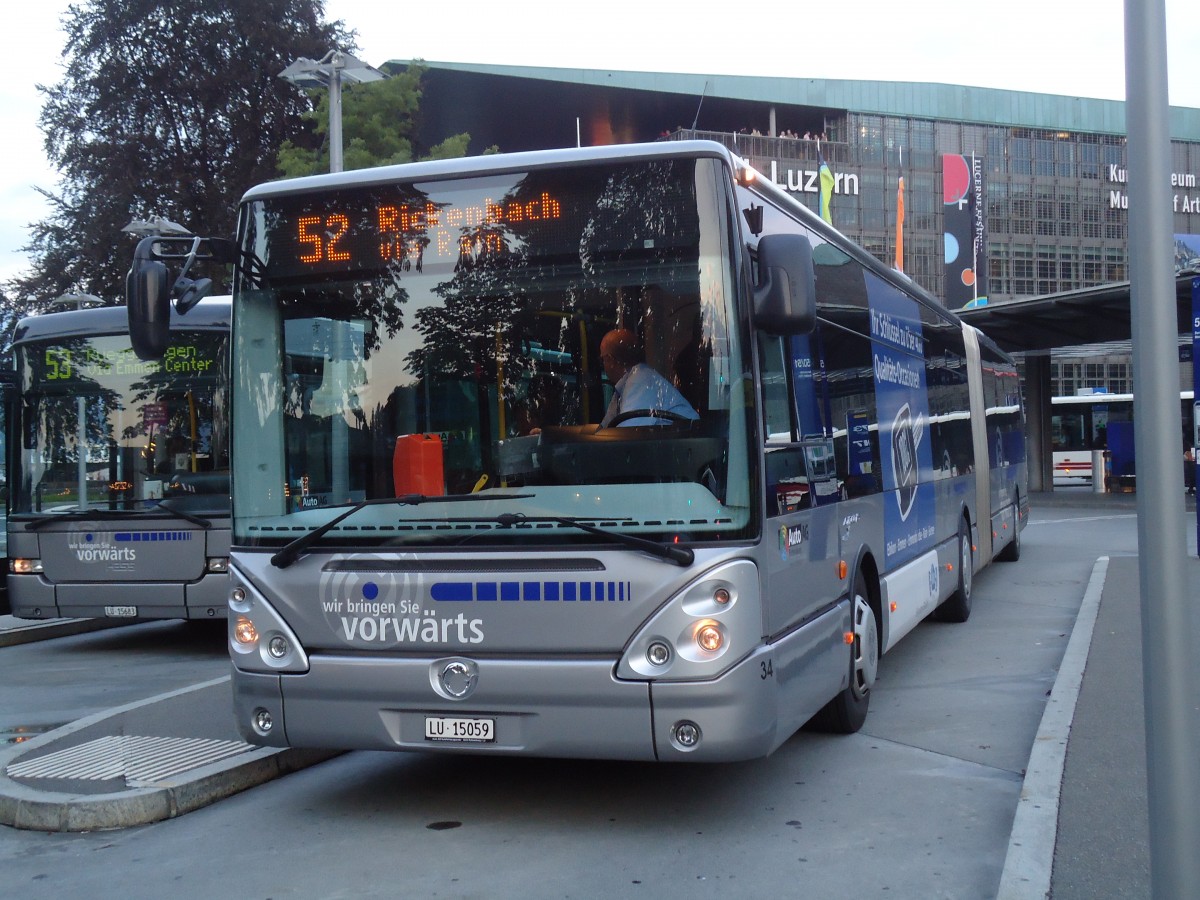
[(1032, 328)]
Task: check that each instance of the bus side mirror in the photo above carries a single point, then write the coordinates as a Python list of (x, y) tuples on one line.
[(148, 303), (785, 299)]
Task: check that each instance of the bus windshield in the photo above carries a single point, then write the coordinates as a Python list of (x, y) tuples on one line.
[(103, 430), (560, 342)]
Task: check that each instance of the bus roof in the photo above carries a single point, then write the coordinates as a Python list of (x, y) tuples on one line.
[(493, 164), (211, 313)]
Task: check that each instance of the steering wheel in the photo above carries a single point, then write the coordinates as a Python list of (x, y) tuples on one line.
[(626, 415)]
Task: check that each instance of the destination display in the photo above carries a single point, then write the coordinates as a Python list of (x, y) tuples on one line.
[(401, 228), (97, 360)]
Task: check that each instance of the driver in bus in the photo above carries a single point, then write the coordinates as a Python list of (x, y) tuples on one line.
[(637, 386)]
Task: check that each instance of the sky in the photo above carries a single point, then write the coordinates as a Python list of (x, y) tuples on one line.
[(1067, 47)]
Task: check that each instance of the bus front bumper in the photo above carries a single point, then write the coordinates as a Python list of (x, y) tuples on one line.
[(537, 707), (36, 597)]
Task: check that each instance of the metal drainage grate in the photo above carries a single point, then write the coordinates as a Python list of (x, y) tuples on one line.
[(140, 761)]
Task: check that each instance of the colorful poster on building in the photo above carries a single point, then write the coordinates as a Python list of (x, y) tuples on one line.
[(902, 401), (1187, 252), (965, 232)]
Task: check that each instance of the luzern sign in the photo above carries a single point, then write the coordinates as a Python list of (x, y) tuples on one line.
[(808, 181), (1183, 202)]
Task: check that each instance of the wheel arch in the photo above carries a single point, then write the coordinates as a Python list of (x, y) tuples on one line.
[(867, 564)]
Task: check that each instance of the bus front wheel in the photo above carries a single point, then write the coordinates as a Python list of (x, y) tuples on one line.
[(846, 713)]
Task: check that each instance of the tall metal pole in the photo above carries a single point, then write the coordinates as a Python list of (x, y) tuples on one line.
[(1169, 673), (336, 64)]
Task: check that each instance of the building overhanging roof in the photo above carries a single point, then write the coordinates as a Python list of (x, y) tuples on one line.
[(1093, 315), (957, 103)]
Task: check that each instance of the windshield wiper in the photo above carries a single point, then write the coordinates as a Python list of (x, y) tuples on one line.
[(290, 552), (186, 516), (75, 514), (681, 556)]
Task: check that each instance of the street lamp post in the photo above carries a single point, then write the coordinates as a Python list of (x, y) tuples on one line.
[(331, 71)]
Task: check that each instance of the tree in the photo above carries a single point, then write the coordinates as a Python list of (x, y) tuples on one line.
[(379, 119), (167, 108)]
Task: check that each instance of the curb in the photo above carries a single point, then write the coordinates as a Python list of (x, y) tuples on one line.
[(27, 808), (1029, 863), (44, 629)]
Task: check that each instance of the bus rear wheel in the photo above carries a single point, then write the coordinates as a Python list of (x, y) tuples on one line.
[(957, 607), (846, 713), (1012, 551)]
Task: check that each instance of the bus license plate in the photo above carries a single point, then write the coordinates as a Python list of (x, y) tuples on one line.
[(442, 728), (123, 612)]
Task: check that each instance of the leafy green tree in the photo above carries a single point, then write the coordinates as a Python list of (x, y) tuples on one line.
[(379, 119), (166, 108)]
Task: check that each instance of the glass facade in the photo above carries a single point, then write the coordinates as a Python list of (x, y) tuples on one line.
[(1055, 210), (1056, 207)]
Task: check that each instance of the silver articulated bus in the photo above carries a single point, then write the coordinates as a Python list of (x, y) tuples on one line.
[(119, 468), (613, 452)]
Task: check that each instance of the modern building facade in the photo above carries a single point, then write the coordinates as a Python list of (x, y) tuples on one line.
[(1006, 194)]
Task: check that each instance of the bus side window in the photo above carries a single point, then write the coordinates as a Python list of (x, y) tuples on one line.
[(777, 419)]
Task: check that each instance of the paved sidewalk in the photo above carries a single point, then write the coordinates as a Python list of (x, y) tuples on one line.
[(1081, 831), (1103, 841), (140, 763)]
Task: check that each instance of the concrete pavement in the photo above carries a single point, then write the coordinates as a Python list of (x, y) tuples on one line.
[(1080, 829)]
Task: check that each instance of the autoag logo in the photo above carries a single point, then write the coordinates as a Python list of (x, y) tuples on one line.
[(906, 438)]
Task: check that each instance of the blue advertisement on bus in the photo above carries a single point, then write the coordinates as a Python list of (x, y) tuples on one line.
[(897, 350)]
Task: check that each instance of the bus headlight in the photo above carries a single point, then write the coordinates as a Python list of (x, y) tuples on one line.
[(244, 631), (709, 637), (217, 565), (658, 653), (23, 566), (701, 631), (259, 639)]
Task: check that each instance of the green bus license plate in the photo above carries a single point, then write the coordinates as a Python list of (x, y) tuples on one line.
[(443, 728)]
